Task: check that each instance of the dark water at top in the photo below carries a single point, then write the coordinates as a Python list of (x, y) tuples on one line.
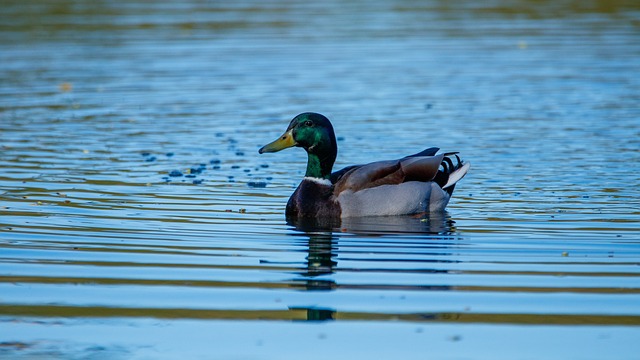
[(104, 255)]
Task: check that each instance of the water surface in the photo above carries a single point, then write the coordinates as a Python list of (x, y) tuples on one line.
[(105, 255)]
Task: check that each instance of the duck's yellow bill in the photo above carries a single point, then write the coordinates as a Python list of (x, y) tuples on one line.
[(283, 142)]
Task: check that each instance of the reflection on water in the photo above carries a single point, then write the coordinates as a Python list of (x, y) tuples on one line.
[(324, 250), (435, 223), (320, 261), (137, 220)]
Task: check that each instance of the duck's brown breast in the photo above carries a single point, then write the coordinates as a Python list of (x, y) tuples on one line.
[(313, 198)]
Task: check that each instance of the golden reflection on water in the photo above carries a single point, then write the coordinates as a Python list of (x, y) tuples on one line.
[(315, 314)]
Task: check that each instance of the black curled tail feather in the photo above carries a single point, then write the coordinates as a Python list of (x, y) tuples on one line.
[(432, 151), (446, 168)]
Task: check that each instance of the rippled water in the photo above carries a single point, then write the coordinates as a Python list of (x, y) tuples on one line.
[(105, 255)]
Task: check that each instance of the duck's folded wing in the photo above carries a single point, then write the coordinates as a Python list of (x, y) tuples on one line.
[(421, 168), (392, 172)]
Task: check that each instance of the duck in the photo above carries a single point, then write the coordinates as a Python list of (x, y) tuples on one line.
[(415, 184)]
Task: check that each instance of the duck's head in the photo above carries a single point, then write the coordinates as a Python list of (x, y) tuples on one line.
[(314, 133)]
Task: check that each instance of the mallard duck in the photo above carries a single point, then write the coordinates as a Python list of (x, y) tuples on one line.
[(418, 183)]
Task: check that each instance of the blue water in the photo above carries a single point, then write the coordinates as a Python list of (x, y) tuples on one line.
[(104, 255)]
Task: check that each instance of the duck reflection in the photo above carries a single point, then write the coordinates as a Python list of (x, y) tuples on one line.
[(320, 260), (323, 239), (430, 223)]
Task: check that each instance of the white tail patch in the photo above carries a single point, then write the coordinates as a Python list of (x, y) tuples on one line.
[(455, 176)]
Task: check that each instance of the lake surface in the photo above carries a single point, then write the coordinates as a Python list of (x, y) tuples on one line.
[(104, 255)]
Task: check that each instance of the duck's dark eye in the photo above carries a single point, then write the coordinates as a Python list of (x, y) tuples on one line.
[(308, 123)]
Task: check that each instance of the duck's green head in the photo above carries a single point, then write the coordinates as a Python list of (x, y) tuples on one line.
[(314, 133)]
